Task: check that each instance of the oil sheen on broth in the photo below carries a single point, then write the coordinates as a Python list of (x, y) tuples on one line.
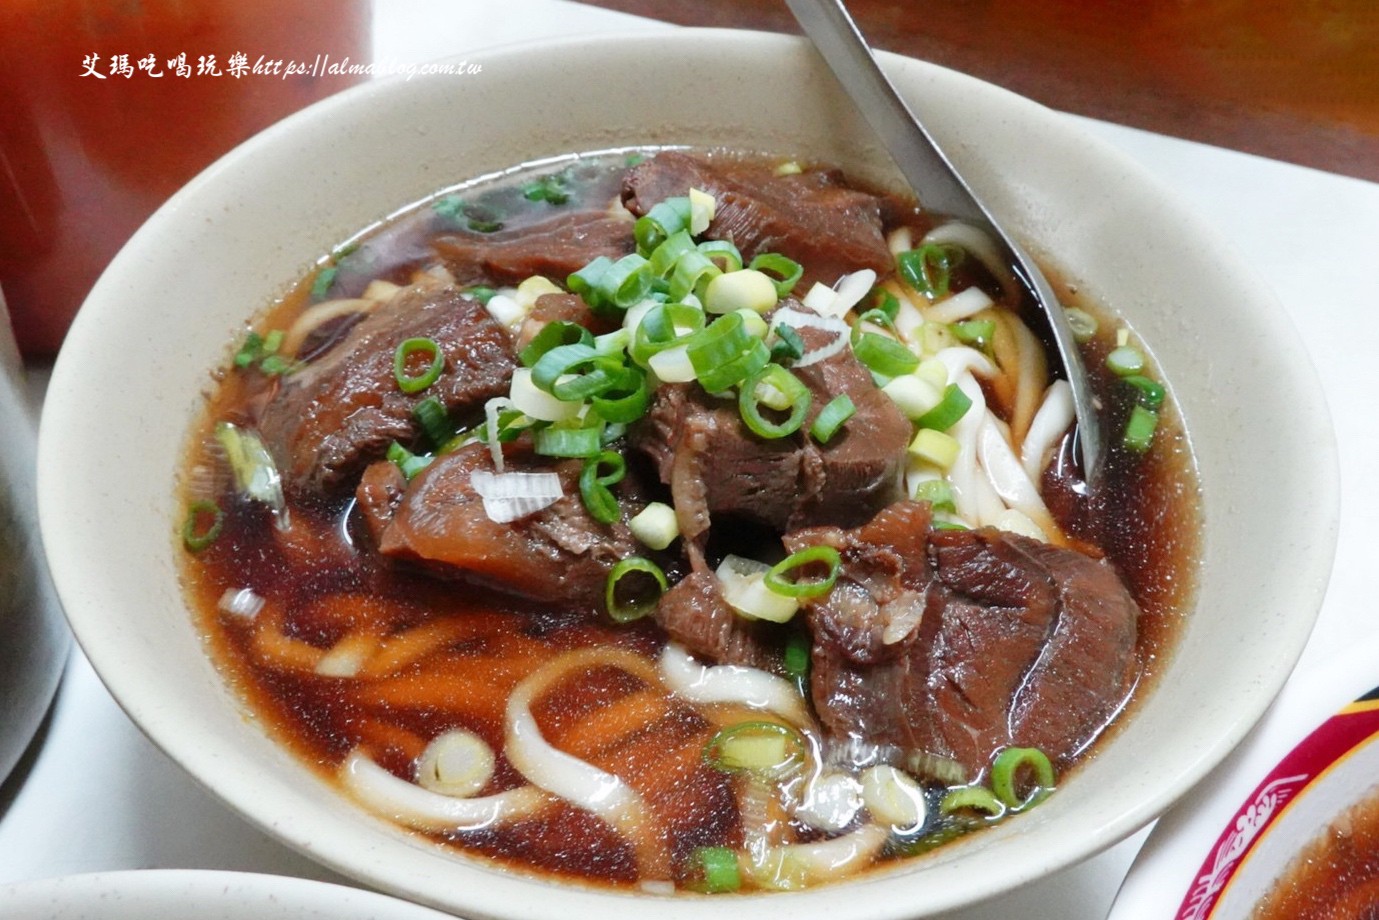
[(693, 520)]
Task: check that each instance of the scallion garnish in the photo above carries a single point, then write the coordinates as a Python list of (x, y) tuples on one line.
[(773, 384), (714, 870), (324, 279), (609, 287), (951, 408), (975, 332), (409, 383), (783, 578), (785, 273), (832, 417), (884, 355), (626, 398), (434, 420), (725, 353), (928, 269), (634, 587), (1151, 392), (1005, 776), (550, 189), (552, 335), (796, 656), (972, 798), (765, 748), (664, 219), (599, 501), (409, 463), (567, 442), (789, 346), (482, 293), (1139, 429), (203, 524), (938, 493), (1125, 361)]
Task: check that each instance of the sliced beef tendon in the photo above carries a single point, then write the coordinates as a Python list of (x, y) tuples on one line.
[(813, 217), (954, 644), (342, 411), (554, 249), (558, 555)]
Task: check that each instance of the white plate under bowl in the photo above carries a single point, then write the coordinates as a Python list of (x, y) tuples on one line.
[(167, 311), (1313, 755), (181, 894)]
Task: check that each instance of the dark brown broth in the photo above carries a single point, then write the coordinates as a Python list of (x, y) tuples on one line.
[(1146, 520), (1335, 876)]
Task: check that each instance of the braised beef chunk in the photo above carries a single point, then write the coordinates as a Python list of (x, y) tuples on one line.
[(694, 614), (1019, 643), (715, 465), (343, 410), (560, 554), (554, 249), (813, 217), (876, 604)]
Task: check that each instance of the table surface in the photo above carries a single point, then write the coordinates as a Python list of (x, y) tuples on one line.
[(93, 794)]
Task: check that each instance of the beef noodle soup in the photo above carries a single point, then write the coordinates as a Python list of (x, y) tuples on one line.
[(685, 521)]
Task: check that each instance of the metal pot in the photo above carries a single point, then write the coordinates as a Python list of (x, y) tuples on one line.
[(33, 638)]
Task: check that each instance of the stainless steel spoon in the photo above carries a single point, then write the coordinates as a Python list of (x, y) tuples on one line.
[(939, 186)]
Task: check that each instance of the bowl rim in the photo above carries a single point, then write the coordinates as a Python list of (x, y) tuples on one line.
[(513, 895)]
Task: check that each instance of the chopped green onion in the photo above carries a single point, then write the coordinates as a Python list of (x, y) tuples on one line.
[(785, 273), (601, 504), (626, 398), (574, 372), (408, 462), (950, 525), (887, 303), (832, 417), (567, 442), (723, 254), (408, 383), (664, 256), (718, 379), (1139, 429), (1151, 392), (1082, 323), (935, 447), (1005, 774), (715, 870), (928, 269), (610, 287), (552, 335), (550, 189), (434, 420), (664, 219), (250, 351), (481, 293), (797, 655), (712, 352), (779, 578), (948, 412), (884, 355), (794, 395), (655, 525), (975, 332), (975, 798), (256, 475), (692, 273), (938, 493), (198, 537), (789, 347), (760, 747), (1125, 361), (740, 290), (324, 279), (644, 598), (661, 328)]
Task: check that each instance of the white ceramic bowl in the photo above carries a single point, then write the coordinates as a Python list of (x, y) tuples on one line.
[(130, 377)]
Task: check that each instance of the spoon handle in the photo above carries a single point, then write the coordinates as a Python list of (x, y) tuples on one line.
[(941, 188)]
